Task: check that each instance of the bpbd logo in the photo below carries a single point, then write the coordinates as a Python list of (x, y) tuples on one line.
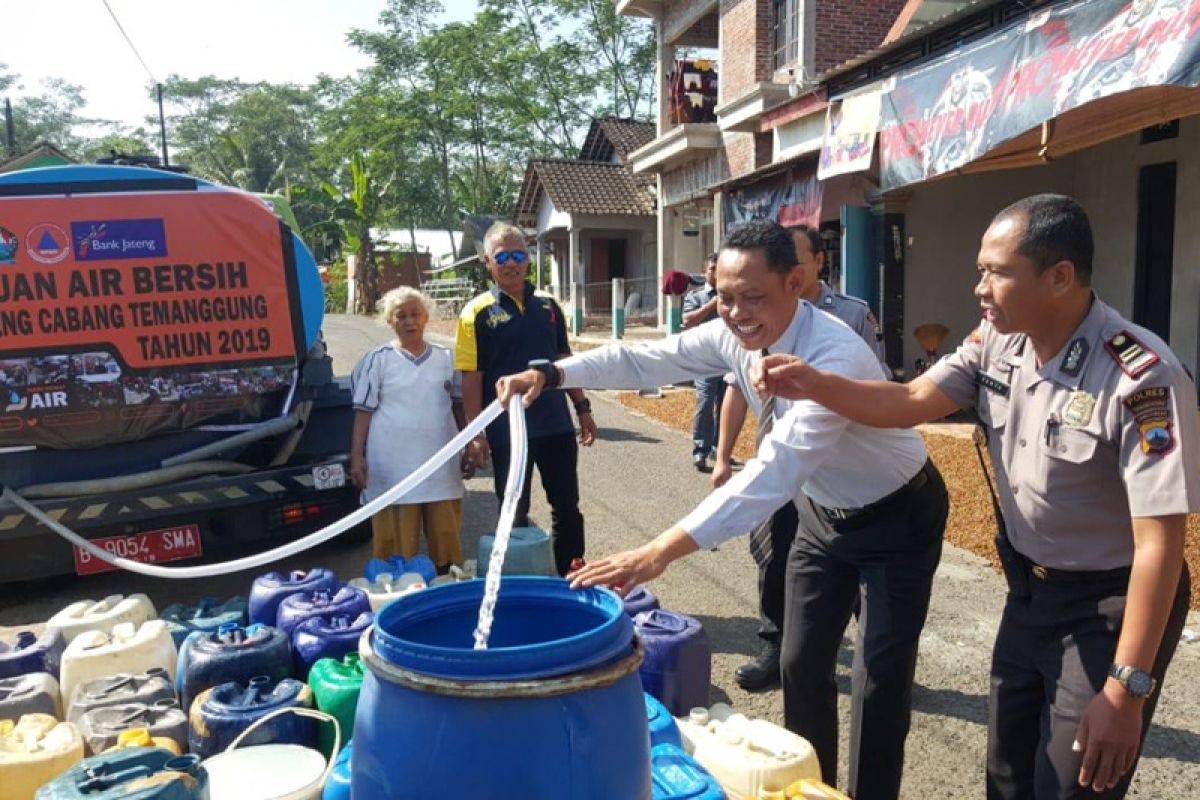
[(105, 240)]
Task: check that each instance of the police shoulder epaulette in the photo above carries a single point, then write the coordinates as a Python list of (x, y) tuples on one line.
[(1131, 355), (850, 299)]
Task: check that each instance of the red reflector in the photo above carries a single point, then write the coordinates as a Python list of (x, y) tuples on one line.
[(313, 511)]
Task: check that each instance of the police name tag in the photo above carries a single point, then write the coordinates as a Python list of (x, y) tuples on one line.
[(991, 383)]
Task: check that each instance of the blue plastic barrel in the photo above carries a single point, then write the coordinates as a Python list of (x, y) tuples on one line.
[(331, 636), (663, 728), (32, 653), (222, 712), (678, 662), (231, 654), (639, 600), (269, 590), (677, 776), (346, 601), (338, 785), (552, 710), (206, 616), (132, 773)]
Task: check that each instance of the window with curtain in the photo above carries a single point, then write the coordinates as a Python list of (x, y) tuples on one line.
[(786, 29)]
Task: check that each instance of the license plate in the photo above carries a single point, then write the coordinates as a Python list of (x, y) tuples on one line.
[(329, 476), (152, 547)]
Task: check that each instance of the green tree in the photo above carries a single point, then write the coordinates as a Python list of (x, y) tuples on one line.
[(356, 210)]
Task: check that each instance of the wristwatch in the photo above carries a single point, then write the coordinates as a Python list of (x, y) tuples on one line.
[(1138, 683), (548, 370), (584, 406)]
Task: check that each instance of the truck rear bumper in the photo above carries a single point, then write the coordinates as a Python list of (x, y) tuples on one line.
[(271, 506)]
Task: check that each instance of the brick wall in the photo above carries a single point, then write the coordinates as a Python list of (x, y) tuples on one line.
[(745, 46), (845, 30)]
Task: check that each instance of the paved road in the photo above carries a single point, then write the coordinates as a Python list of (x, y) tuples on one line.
[(637, 480)]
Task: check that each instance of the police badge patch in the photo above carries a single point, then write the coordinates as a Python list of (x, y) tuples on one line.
[(1151, 409), (1078, 411)]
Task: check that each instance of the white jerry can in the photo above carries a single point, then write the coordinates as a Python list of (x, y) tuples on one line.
[(128, 649), (101, 615), (33, 750)]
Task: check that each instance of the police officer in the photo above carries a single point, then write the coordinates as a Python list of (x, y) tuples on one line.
[(1091, 425), (873, 507), (700, 306), (770, 543)]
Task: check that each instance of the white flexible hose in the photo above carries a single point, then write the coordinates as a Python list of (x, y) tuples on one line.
[(450, 450), (508, 513)]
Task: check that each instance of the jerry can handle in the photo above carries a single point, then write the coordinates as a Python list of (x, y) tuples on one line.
[(320, 716)]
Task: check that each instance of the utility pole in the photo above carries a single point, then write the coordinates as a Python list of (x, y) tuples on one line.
[(162, 125)]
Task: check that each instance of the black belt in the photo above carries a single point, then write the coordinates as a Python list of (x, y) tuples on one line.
[(1071, 576), (865, 512)]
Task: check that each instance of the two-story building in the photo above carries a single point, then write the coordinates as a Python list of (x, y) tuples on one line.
[(931, 116)]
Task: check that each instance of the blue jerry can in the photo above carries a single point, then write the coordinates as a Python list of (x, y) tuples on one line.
[(330, 636), (421, 564), (674, 775), (338, 785), (663, 728), (206, 616), (136, 773), (347, 601), (678, 662), (270, 589), (231, 654), (639, 600), (222, 712), (32, 653), (147, 687)]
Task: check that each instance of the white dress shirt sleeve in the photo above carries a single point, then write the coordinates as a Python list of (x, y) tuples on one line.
[(695, 353), (798, 443)]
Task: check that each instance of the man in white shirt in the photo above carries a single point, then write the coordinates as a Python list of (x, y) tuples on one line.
[(872, 506)]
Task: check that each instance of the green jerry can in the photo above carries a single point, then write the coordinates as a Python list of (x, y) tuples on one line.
[(135, 773), (335, 686)]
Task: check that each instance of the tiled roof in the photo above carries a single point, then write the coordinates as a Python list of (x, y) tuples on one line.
[(583, 187), (614, 134)]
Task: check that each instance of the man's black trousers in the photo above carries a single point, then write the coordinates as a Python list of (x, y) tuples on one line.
[(887, 559), (1051, 658), (556, 457)]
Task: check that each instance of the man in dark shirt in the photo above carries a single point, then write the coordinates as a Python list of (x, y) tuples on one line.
[(500, 332)]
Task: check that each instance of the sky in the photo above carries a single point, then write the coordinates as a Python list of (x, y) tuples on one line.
[(254, 40)]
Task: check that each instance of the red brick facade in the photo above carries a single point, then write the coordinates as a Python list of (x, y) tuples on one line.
[(848, 29), (745, 57)]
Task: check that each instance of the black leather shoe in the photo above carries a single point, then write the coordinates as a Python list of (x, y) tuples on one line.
[(762, 672), (701, 463)]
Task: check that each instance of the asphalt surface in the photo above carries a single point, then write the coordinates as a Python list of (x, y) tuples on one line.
[(636, 481)]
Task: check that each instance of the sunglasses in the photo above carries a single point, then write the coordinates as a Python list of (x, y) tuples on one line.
[(517, 256)]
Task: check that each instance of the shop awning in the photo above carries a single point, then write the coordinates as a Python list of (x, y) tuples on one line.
[(1062, 80)]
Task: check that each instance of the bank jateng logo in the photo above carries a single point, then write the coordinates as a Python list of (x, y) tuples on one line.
[(105, 240)]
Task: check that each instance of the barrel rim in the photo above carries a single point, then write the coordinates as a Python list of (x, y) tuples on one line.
[(603, 643), (554, 686)]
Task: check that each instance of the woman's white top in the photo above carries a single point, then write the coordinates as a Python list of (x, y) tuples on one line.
[(409, 398)]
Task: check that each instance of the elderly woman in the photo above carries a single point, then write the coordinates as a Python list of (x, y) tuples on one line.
[(408, 404)]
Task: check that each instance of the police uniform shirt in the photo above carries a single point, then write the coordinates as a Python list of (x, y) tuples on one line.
[(696, 298), (499, 335), (811, 451), (1105, 431), (857, 314)]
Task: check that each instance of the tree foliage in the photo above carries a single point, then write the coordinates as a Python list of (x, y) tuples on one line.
[(441, 123)]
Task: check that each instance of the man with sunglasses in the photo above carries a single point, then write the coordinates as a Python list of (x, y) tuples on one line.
[(502, 331)]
